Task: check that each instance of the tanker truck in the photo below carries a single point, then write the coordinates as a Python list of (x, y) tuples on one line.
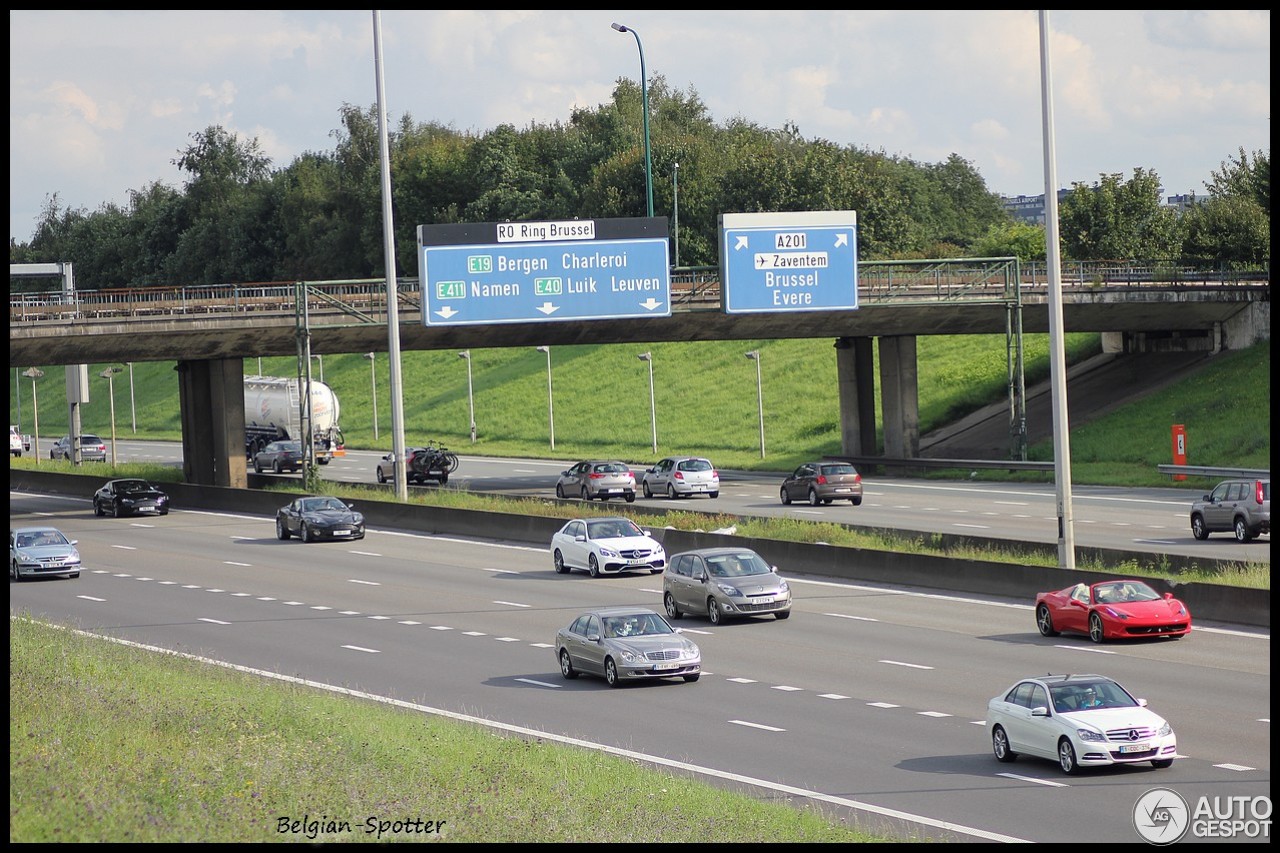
[(272, 413)]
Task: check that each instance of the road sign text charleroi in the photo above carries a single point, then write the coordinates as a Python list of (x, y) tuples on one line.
[(799, 261), (529, 271)]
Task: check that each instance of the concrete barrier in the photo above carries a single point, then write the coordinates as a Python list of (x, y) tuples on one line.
[(1208, 602)]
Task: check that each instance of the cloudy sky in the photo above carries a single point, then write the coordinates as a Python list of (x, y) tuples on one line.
[(102, 102)]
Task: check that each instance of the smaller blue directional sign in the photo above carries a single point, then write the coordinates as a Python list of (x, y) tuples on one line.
[(528, 275), (785, 262)]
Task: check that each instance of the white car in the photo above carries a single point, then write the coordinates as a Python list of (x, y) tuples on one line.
[(15, 441), (680, 477), (1078, 721), (606, 546)]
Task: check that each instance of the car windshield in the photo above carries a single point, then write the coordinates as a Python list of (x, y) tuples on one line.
[(694, 465), (132, 486), (321, 504), (737, 565), (41, 538), (1124, 592), (1086, 696), (611, 468), (832, 470), (639, 625), (612, 528)]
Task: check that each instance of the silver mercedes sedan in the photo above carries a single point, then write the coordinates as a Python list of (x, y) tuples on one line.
[(626, 644)]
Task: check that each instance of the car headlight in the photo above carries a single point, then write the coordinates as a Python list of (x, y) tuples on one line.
[(657, 550), (689, 653), (782, 587), (730, 590), (631, 657), (1166, 730), (1115, 614), (608, 552), (1091, 735)]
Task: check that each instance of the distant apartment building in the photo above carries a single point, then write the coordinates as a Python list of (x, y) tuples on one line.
[(1030, 208)]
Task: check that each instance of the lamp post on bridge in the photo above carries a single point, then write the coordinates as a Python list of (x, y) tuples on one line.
[(644, 95), (373, 389), (551, 413), (653, 409), (471, 400)]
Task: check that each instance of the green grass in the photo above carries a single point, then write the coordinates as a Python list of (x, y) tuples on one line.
[(112, 743)]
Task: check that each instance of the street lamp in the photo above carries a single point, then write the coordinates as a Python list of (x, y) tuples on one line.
[(675, 195), (110, 375), (471, 400), (551, 412), (653, 411), (133, 409), (373, 390), (34, 373), (644, 93), (754, 355)]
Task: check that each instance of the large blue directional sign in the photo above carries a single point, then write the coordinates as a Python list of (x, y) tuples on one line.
[(783, 262), (519, 272)]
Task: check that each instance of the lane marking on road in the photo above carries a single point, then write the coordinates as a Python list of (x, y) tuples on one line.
[(441, 628), (213, 621), (540, 683), (882, 705), (512, 604), (832, 696), (1048, 782), (756, 726), (974, 526), (847, 616), (785, 688), (1084, 649), (933, 714), (321, 607), (475, 634), (125, 547), (507, 639), (362, 649), (409, 622), (349, 612), (903, 663), (366, 583), (365, 553), (379, 618), (1240, 767), (90, 598), (742, 680)]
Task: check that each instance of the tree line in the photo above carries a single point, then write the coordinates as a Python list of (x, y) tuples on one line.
[(239, 218)]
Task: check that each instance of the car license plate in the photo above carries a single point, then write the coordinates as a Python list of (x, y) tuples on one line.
[(342, 533), (669, 665), (146, 509), (842, 489), (637, 562), (1135, 747)]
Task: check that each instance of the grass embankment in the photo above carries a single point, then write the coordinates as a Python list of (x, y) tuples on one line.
[(111, 743)]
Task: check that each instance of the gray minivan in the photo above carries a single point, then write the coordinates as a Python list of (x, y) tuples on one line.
[(1242, 507)]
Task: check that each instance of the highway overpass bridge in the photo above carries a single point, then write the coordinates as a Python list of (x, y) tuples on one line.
[(210, 330)]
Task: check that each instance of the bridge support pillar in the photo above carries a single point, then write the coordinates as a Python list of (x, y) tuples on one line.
[(900, 396), (856, 380), (211, 400)]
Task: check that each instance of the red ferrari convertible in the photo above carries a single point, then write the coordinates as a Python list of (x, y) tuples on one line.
[(1112, 610)]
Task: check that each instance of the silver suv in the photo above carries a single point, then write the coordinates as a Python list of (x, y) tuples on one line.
[(1239, 506)]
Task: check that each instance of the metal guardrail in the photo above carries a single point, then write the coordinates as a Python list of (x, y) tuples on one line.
[(920, 462), (1214, 471)]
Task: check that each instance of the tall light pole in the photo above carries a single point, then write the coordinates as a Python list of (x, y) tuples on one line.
[(675, 195), (17, 390), (34, 373), (110, 375), (133, 409), (373, 389), (754, 355), (320, 358), (551, 412), (644, 94), (653, 410), (471, 400)]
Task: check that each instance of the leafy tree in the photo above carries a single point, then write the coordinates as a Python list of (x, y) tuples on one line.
[(1020, 240), (1116, 219), (1244, 178), (1227, 231)]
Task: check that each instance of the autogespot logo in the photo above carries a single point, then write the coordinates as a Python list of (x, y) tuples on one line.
[(1161, 816)]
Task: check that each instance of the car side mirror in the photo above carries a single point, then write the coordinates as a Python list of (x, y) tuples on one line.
[(1205, 498), (581, 537), (1142, 703), (700, 577), (1040, 711), (593, 638), (773, 569), (75, 541), (1168, 596)]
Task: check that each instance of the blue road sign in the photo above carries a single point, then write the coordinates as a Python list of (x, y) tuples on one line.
[(782, 262), (522, 282)]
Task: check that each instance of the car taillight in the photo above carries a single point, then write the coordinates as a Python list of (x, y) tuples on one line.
[(1258, 495), (822, 479), (679, 475), (857, 478), (595, 476)]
